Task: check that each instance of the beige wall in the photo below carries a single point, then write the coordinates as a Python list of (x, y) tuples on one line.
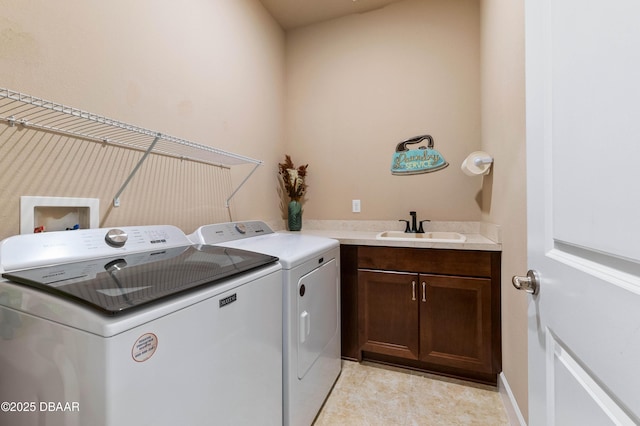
[(504, 190), (359, 85), (212, 72)]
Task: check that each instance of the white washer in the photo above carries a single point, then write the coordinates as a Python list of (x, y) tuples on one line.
[(156, 331), (311, 317)]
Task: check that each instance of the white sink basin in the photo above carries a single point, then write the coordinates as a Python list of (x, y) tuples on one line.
[(436, 236)]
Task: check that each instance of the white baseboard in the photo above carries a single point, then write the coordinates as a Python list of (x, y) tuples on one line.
[(511, 406)]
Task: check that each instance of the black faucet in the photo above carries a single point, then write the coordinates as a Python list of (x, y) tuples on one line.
[(414, 229)]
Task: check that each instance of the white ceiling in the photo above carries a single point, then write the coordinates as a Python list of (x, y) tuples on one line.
[(297, 13)]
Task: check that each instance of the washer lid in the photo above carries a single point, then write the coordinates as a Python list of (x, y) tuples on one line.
[(113, 285)]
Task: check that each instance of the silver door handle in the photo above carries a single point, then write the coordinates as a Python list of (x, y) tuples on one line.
[(424, 291), (413, 284), (530, 283)]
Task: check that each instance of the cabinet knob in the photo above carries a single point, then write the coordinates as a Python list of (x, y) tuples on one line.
[(413, 285), (424, 291)]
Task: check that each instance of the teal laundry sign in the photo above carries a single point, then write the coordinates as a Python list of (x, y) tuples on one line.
[(414, 161)]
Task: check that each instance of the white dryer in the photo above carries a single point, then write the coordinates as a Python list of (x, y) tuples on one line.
[(311, 309)]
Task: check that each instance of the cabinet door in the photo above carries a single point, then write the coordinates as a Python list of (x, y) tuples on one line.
[(455, 322), (388, 313)]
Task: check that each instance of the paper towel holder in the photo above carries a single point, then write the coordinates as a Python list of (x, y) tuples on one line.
[(477, 163)]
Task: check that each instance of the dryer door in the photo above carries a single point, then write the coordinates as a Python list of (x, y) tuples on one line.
[(317, 313)]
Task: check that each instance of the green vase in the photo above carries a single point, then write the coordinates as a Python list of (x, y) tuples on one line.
[(295, 215)]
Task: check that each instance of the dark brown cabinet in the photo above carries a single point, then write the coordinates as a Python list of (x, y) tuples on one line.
[(428, 309), (388, 314), (455, 322)]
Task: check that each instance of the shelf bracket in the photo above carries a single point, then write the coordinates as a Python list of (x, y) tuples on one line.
[(226, 204), (116, 198)]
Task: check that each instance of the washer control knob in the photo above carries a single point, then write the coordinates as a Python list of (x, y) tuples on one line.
[(116, 237), (241, 228)]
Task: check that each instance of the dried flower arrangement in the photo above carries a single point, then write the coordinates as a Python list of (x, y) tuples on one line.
[(293, 178)]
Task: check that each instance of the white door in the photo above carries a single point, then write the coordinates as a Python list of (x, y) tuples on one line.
[(583, 183)]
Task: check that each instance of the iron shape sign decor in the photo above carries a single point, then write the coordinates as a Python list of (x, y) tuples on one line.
[(415, 161)]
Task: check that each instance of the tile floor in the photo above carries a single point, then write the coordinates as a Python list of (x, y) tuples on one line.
[(369, 394)]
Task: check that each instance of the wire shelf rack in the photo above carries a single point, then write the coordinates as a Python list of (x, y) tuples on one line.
[(19, 109)]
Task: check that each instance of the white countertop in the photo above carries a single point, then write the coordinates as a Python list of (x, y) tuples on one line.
[(480, 236)]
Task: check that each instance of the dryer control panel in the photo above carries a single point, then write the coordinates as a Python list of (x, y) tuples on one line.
[(230, 231)]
